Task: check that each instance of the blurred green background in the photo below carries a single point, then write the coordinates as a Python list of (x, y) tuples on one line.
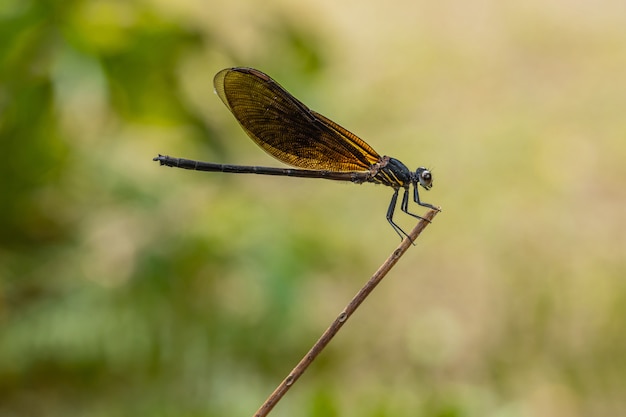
[(131, 289)]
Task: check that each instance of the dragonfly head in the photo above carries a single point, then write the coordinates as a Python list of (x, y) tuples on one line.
[(424, 177)]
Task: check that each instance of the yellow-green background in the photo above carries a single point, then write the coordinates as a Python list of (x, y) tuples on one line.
[(129, 289)]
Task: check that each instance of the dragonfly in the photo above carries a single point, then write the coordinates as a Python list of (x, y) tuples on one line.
[(313, 144)]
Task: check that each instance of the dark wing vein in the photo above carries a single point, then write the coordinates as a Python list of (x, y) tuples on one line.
[(287, 129)]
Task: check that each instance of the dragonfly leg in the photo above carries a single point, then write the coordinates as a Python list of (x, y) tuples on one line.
[(416, 197), (390, 210), (405, 206)]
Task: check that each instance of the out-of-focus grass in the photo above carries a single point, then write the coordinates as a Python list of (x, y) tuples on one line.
[(132, 289)]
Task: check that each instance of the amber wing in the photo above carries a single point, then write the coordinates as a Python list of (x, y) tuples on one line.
[(287, 129)]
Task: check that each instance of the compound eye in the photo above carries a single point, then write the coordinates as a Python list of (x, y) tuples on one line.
[(426, 179)]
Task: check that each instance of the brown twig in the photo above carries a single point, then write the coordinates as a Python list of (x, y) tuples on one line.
[(321, 343)]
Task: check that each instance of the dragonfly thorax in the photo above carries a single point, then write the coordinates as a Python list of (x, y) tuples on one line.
[(391, 172)]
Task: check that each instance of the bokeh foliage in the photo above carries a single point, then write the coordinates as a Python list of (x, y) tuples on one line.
[(100, 303), (129, 289)]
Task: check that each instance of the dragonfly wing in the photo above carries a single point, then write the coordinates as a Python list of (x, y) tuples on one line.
[(286, 128)]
